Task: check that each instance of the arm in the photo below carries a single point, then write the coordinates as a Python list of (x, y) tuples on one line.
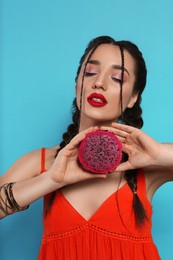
[(62, 171), (25, 173), (144, 152)]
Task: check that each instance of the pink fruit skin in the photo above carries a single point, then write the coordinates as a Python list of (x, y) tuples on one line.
[(100, 152)]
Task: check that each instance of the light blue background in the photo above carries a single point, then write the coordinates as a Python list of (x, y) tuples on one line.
[(41, 43)]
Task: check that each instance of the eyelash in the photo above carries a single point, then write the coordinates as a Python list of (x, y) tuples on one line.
[(89, 74), (116, 80)]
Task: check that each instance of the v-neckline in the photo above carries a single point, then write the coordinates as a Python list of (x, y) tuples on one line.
[(97, 210)]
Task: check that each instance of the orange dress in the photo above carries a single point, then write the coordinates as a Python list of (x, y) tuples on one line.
[(110, 234)]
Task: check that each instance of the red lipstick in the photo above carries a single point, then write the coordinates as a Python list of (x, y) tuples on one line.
[(97, 100)]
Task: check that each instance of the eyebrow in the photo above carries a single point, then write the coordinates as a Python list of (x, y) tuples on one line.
[(115, 66)]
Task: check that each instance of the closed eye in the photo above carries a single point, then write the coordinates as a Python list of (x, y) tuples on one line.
[(90, 74), (116, 80)]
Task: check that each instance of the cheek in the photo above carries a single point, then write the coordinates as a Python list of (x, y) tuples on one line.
[(127, 95), (78, 94), (78, 91), (79, 83), (114, 94)]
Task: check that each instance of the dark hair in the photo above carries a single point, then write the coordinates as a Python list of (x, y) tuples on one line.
[(131, 116)]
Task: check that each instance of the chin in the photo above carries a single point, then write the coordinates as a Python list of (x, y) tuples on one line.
[(97, 115)]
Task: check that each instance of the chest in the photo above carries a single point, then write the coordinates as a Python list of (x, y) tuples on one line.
[(86, 198), (106, 204)]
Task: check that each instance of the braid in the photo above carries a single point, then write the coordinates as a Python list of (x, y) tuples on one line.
[(139, 211), (132, 116), (121, 83), (72, 130)]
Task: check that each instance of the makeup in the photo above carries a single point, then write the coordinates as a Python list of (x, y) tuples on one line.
[(97, 100)]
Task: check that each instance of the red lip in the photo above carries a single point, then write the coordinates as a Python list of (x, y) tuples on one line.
[(97, 100)]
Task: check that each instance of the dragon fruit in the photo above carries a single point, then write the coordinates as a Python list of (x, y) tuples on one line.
[(100, 152)]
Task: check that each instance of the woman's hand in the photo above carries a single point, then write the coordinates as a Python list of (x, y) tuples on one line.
[(142, 150), (65, 169)]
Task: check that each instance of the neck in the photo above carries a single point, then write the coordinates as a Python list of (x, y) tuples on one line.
[(88, 122)]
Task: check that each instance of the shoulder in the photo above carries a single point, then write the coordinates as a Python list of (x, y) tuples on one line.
[(50, 154), (29, 165)]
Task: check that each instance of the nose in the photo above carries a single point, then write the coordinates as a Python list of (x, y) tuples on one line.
[(100, 83)]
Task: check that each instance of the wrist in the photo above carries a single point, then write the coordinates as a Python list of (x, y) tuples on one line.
[(51, 182)]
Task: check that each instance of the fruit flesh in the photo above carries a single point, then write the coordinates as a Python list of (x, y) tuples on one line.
[(100, 152)]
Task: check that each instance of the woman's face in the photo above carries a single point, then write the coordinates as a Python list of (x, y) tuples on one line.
[(101, 88)]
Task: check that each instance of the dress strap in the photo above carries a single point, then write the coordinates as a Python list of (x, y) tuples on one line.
[(141, 180), (43, 150), (142, 189)]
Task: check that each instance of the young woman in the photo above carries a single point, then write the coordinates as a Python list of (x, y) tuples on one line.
[(96, 216)]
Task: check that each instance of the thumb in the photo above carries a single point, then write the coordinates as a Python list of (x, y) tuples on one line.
[(124, 167)]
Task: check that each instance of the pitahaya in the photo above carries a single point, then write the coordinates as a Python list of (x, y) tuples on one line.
[(100, 152)]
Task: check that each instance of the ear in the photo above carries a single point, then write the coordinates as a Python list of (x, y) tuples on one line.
[(132, 101)]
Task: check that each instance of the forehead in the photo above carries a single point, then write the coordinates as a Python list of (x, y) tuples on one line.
[(110, 54), (107, 51)]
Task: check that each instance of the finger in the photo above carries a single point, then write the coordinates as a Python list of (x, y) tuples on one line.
[(89, 175), (117, 132), (124, 167), (126, 148), (79, 137), (123, 127)]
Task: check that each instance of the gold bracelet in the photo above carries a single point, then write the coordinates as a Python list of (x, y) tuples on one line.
[(13, 201), (9, 203)]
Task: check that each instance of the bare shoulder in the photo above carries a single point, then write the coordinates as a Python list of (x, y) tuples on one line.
[(28, 166), (156, 177), (50, 155)]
